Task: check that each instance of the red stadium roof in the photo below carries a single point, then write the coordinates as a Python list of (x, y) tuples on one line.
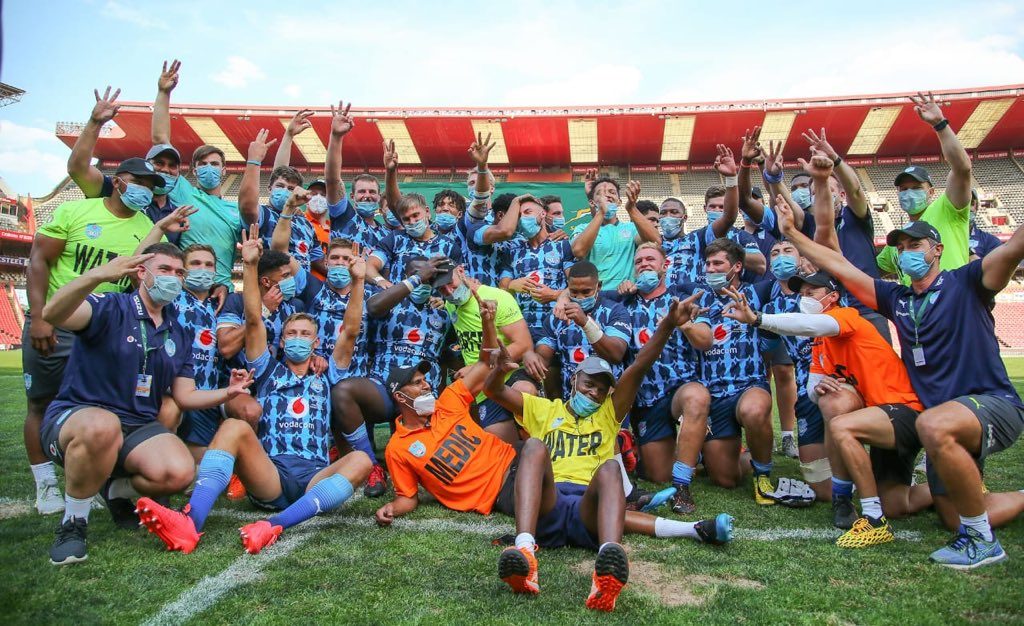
[(625, 135)]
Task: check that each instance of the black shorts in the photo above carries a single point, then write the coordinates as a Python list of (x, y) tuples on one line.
[(133, 437), (490, 412), (506, 500), (44, 374), (897, 465)]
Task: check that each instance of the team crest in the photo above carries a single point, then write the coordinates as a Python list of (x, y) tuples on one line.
[(169, 347), (417, 449), (552, 257), (28, 381), (316, 386), (93, 231), (435, 322)]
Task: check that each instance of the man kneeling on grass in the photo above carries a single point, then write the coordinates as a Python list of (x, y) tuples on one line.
[(468, 469), (286, 467)]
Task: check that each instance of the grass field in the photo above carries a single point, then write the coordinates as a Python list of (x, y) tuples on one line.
[(439, 567)]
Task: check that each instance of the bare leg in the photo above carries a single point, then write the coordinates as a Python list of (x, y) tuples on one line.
[(90, 439), (603, 508), (535, 493), (951, 434)]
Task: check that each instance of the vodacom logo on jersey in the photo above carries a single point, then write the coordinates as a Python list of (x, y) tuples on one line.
[(536, 277), (413, 335), (643, 336), (206, 339), (302, 247), (720, 333), (298, 407), (578, 354)]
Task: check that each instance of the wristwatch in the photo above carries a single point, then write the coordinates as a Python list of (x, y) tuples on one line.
[(757, 320)]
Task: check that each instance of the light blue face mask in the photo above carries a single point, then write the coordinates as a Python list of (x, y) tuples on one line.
[(581, 405), (913, 264), (421, 293), (392, 221), (558, 223), (717, 280), (297, 349), (338, 276), (647, 281), (460, 295), (802, 196), (610, 210), (416, 229), (369, 209), (528, 226), (287, 287), (279, 197), (670, 226), (913, 201), (587, 304), (136, 197), (169, 183), (164, 290), (713, 216), (445, 222), (208, 176), (784, 267), (199, 280)]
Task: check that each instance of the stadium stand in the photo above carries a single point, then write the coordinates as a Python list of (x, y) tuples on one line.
[(10, 319)]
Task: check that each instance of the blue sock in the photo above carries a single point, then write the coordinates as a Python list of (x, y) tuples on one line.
[(359, 440), (842, 488), (211, 480), (761, 469), (326, 495), (682, 474)]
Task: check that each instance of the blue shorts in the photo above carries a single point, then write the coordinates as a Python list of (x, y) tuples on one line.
[(198, 427), (132, 436), (779, 355), (654, 423), (295, 473), (722, 421), (390, 410), (809, 422), (490, 412), (563, 526)]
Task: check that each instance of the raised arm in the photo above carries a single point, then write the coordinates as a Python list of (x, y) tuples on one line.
[(480, 151), (299, 123), (249, 193), (255, 330), (351, 323), (789, 324), (958, 185), (611, 348), (341, 124), (80, 168), (819, 168), (999, 265), (752, 207), (161, 123), (282, 234), (391, 190), (174, 222), (502, 364), (855, 198), (476, 376), (68, 308), (380, 304), (725, 164), (506, 227), (584, 242)]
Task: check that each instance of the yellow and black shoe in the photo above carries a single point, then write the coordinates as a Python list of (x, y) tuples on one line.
[(867, 532), (762, 487)]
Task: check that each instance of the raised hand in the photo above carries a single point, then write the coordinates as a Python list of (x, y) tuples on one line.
[(725, 164), (773, 162), (927, 108), (357, 268), (298, 198), (819, 143), (177, 220), (300, 122), (105, 109), (502, 360), (169, 77), (739, 309), (588, 180), (390, 156), (819, 167), (259, 146), (688, 308), (252, 245), (480, 150), (120, 267), (784, 214), (632, 194), (240, 381), (751, 148), (341, 123), (626, 287)]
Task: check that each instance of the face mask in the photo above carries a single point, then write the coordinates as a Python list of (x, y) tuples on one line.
[(529, 226), (297, 349), (581, 405), (317, 204), (784, 267), (445, 222), (421, 294), (164, 290), (369, 209), (199, 280), (717, 280), (810, 306), (136, 197), (208, 176), (973, 217), (913, 264), (169, 183), (802, 196), (489, 219), (424, 405), (278, 197), (338, 276), (460, 295), (287, 287), (647, 281), (913, 201), (610, 210), (416, 229), (587, 304), (713, 216), (392, 220), (558, 223), (670, 226)]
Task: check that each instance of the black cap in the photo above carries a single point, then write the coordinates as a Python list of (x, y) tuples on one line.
[(915, 230), (318, 181), (817, 279), (444, 274), (916, 172), (756, 192), (399, 377), (140, 168)]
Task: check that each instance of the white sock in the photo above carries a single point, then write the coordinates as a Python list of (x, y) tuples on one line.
[(980, 524), (871, 507), (627, 487), (74, 507), (43, 472), (526, 540), (787, 433), (122, 488), (674, 528)]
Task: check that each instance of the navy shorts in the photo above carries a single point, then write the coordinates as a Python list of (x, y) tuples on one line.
[(779, 355), (722, 421), (199, 427), (809, 422), (656, 422), (131, 436), (295, 473), (491, 412), (563, 526), (897, 466), (390, 410)]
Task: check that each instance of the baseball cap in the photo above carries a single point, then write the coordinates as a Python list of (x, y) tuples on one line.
[(757, 193), (399, 377), (916, 172), (444, 274), (799, 175), (817, 279), (160, 148), (595, 365), (140, 168), (318, 181), (915, 230)]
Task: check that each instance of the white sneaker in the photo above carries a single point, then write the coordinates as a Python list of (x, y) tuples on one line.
[(48, 497), (97, 503)]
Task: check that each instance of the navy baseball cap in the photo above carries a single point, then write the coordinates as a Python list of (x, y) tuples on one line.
[(916, 172), (915, 230), (161, 148), (318, 181), (399, 377), (817, 279), (596, 366), (140, 168)]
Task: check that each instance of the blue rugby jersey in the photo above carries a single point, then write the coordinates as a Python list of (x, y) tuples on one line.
[(571, 346), (798, 348), (396, 247), (346, 224), (328, 308), (686, 253), (410, 333), (302, 245), (482, 261), (199, 320), (678, 362), (734, 361), (233, 314), (546, 265)]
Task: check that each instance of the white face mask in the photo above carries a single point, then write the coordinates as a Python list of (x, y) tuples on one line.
[(811, 306), (424, 405), (317, 204)]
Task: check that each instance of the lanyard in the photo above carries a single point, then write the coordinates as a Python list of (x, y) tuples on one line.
[(144, 341), (917, 314)]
